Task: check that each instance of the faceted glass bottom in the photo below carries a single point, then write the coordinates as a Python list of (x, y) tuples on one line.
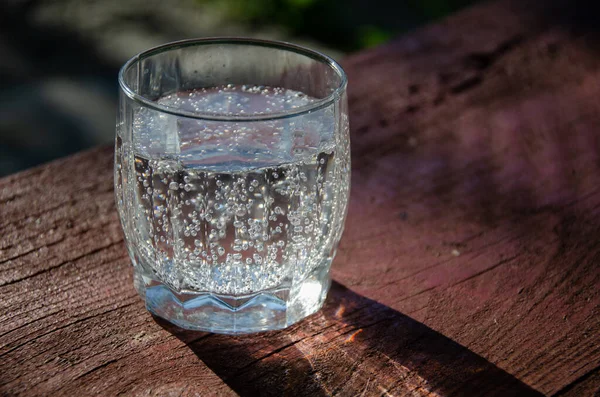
[(262, 311)]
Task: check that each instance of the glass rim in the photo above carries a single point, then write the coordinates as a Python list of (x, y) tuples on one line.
[(281, 45)]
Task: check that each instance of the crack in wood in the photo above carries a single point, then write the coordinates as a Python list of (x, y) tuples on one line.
[(80, 320), (72, 260), (19, 255), (576, 382), (494, 266), (96, 368)]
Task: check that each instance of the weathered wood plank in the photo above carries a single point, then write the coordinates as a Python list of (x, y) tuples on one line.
[(67, 310), (470, 259)]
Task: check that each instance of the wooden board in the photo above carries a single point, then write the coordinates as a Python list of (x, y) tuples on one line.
[(469, 265)]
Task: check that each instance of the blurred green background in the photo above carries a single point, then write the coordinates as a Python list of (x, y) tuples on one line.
[(59, 58), (342, 25)]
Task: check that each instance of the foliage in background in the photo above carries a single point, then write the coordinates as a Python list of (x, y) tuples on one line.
[(59, 58), (345, 25)]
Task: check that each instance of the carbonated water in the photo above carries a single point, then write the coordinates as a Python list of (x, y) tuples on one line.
[(220, 213)]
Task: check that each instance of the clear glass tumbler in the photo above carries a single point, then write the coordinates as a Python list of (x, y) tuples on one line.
[(232, 174)]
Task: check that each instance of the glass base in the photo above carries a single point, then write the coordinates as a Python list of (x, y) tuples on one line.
[(263, 311)]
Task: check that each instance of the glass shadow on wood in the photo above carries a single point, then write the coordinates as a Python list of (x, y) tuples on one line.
[(354, 345)]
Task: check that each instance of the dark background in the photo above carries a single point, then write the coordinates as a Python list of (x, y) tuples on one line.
[(59, 59)]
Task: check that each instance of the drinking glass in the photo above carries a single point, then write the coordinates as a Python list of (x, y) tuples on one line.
[(232, 174)]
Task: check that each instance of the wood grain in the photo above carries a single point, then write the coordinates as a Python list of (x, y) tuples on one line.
[(469, 265)]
